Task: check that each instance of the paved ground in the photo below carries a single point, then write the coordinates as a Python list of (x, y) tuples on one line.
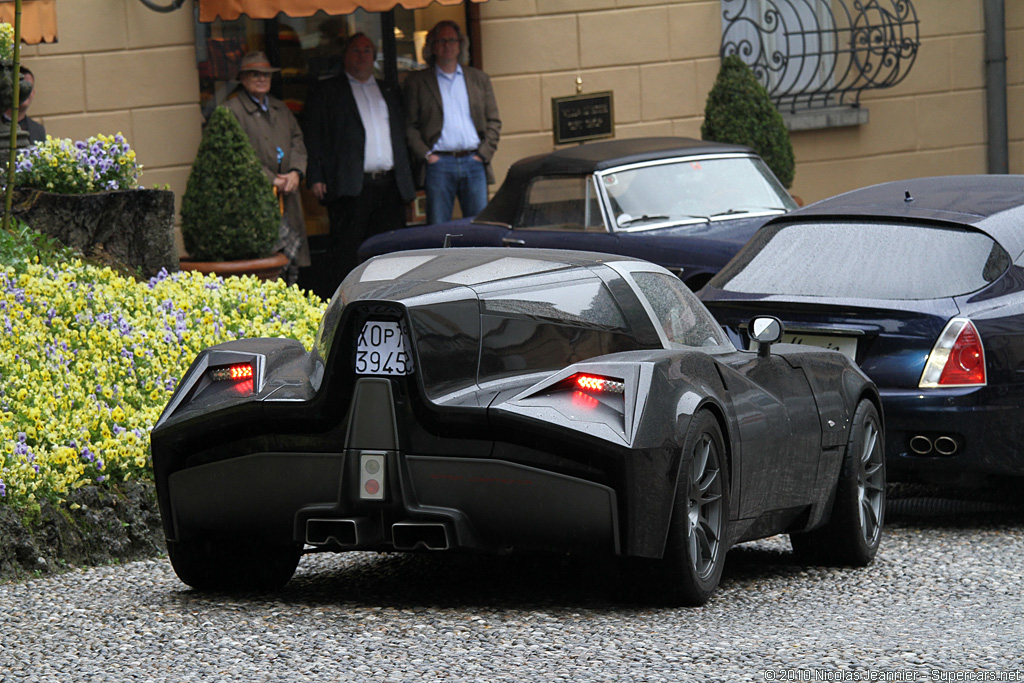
[(943, 602)]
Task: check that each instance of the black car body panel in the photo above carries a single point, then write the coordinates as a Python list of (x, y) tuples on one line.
[(485, 444), (978, 276)]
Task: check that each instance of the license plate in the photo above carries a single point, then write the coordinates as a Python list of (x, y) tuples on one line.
[(381, 350), (846, 345)]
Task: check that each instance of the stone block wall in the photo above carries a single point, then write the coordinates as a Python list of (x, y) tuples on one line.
[(660, 57)]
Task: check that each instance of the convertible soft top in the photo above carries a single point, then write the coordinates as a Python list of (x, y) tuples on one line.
[(588, 158)]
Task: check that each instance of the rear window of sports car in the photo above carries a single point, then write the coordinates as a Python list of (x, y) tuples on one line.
[(545, 326), (869, 260)]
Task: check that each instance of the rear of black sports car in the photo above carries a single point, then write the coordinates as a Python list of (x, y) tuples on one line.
[(429, 416)]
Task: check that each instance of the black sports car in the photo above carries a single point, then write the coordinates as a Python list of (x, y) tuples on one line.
[(494, 401), (922, 283)]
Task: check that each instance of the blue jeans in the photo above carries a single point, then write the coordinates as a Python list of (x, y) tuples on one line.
[(450, 177)]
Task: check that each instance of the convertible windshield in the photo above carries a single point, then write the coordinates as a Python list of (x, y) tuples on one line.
[(694, 189)]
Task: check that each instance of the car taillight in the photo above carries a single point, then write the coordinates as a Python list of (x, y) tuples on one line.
[(236, 372), (957, 359), (594, 383), (241, 374)]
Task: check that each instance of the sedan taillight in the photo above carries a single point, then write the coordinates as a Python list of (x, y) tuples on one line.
[(957, 359)]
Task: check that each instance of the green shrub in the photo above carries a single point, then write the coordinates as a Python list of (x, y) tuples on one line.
[(739, 111), (229, 210)]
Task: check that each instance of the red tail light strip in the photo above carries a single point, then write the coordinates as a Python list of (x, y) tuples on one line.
[(599, 384), (236, 372)]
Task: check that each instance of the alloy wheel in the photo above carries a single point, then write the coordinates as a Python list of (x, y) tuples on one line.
[(705, 513), (871, 483)]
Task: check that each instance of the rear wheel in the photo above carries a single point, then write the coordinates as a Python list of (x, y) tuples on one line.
[(234, 567), (853, 532), (696, 546)]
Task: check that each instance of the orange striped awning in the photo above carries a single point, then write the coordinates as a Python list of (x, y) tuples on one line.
[(38, 20), (209, 10)]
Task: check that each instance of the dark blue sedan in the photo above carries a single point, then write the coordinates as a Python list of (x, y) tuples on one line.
[(684, 204), (922, 283)]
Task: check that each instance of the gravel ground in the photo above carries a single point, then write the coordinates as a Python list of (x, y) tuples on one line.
[(943, 601)]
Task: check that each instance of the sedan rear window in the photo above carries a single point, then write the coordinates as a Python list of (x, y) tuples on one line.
[(869, 260)]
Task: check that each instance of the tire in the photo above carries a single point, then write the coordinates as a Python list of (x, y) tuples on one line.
[(854, 530), (234, 567), (695, 550)]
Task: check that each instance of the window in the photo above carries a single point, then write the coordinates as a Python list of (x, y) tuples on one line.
[(813, 54), (693, 191), (585, 301), (309, 48), (683, 319), (798, 59), (562, 203), (864, 260), (548, 326)]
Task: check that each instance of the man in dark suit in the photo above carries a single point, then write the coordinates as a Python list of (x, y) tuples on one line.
[(358, 160), (452, 124)]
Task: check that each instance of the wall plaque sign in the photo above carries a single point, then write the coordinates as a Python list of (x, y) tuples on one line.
[(582, 117)]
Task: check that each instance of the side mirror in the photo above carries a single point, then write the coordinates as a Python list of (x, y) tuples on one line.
[(765, 330)]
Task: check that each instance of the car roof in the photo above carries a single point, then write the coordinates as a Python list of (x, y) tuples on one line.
[(590, 157), (406, 274), (596, 156), (993, 204)]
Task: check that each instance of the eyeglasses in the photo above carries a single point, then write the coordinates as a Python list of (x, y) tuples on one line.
[(447, 41), (258, 74)]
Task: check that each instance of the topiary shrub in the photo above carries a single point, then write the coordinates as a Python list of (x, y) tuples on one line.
[(739, 111), (229, 211)]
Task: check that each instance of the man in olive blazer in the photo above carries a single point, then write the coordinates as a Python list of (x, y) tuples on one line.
[(453, 147), (365, 195)]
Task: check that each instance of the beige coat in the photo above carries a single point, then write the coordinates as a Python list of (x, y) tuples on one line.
[(267, 131)]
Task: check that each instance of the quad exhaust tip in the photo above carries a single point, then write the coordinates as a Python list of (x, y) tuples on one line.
[(945, 445), (940, 445), (347, 533), (416, 535)]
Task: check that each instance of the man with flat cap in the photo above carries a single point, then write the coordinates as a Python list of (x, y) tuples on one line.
[(275, 135)]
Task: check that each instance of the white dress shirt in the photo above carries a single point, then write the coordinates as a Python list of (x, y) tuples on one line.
[(373, 110)]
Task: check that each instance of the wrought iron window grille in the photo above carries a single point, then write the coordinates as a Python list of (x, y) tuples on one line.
[(813, 54)]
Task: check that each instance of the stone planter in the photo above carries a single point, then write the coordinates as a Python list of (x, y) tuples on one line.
[(134, 228), (269, 268)]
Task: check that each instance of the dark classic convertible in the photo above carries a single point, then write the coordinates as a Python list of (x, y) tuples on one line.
[(688, 205), (491, 400)]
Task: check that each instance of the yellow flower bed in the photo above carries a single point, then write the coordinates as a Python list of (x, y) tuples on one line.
[(89, 359)]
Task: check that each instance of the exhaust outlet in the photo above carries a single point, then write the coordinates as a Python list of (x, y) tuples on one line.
[(415, 535), (946, 445), (920, 444), (344, 532)]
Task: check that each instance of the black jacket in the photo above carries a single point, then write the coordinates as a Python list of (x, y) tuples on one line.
[(335, 140)]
